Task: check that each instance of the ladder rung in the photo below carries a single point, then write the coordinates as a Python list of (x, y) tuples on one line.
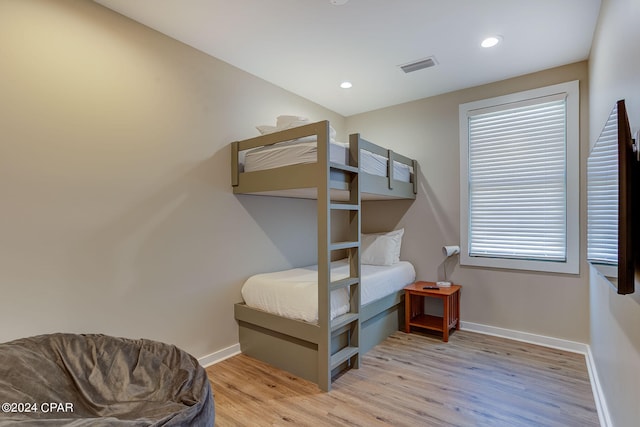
[(343, 355), (343, 283), (342, 167), (345, 206), (343, 245), (345, 319)]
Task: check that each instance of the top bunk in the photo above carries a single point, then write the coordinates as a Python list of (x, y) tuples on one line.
[(295, 162)]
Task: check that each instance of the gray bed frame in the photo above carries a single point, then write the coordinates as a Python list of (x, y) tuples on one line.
[(318, 352)]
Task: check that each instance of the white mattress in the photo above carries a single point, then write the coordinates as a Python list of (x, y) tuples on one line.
[(294, 294), (305, 151)]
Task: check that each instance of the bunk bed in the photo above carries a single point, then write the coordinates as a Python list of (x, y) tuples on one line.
[(339, 177)]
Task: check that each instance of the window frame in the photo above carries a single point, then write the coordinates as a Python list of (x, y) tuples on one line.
[(572, 146)]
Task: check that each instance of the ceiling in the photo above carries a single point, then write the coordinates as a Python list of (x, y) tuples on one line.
[(309, 47)]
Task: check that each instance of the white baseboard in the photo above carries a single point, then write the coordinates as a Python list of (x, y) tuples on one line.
[(219, 355), (598, 394), (572, 346), (560, 344)]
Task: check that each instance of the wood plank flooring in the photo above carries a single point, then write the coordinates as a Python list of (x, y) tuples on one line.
[(416, 380)]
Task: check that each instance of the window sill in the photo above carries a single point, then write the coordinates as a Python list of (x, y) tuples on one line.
[(570, 266)]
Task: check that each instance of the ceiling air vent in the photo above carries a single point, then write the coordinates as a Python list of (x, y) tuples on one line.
[(419, 64)]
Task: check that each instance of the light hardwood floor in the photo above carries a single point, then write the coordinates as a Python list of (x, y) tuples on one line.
[(416, 380)]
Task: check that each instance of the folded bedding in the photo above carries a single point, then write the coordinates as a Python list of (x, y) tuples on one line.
[(294, 293)]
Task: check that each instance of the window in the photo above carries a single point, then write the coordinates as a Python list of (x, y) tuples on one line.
[(519, 163)]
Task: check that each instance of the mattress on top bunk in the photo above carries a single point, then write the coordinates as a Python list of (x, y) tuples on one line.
[(294, 294), (305, 151)]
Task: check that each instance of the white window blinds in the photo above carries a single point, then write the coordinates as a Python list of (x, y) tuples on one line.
[(602, 196), (517, 180)]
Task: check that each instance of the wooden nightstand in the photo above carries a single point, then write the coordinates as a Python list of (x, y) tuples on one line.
[(414, 296)]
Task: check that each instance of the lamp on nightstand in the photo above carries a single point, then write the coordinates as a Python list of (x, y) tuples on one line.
[(448, 252)]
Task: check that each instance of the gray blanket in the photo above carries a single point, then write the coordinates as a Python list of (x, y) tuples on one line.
[(96, 380)]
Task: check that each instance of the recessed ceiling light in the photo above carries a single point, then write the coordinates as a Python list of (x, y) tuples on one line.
[(491, 41), (338, 2), (346, 85)]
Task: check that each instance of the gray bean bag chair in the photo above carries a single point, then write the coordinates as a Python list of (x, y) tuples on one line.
[(97, 380)]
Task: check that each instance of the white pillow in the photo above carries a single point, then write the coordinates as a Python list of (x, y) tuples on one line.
[(288, 122), (265, 129), (381, 248)]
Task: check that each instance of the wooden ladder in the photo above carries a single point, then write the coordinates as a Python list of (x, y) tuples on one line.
[(339, 343)]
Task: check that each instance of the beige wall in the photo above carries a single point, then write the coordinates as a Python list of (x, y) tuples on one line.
[(117, 214), (614, 71), (552, 305)]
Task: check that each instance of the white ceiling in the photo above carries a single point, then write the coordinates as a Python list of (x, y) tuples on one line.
[(309, 47)]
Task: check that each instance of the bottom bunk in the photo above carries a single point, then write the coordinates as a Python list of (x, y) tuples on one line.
[(260, 338), (292, 344)]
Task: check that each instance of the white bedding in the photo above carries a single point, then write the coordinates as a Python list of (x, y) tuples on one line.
[(305, 151), (293, 293)]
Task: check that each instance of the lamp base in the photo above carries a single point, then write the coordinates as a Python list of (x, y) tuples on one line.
[(444, 284)]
